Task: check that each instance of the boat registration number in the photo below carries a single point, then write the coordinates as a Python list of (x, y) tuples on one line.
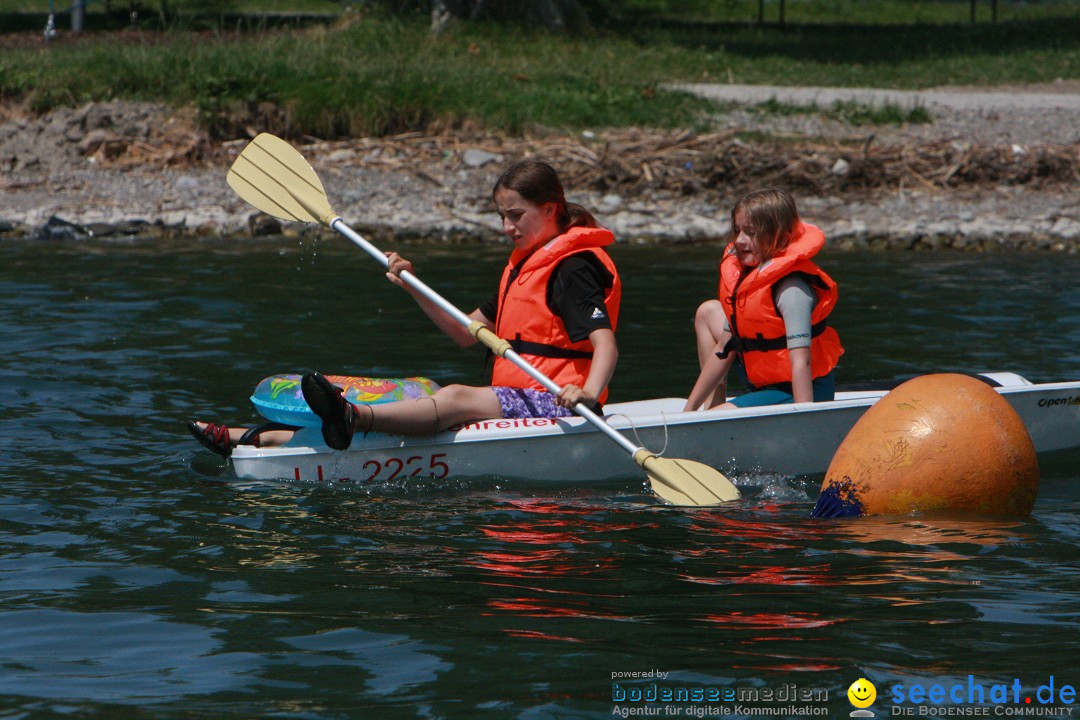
[(392, 468)]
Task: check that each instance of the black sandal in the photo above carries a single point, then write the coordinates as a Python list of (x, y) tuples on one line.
[(213, 437), (326, 400)]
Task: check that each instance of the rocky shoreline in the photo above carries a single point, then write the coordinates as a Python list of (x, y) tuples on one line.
[(126, 169)]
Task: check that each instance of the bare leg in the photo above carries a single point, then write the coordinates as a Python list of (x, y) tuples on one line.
[(423, 416), (270, 438), (451, 405), (710, 327), (710, 324), (273, 438)]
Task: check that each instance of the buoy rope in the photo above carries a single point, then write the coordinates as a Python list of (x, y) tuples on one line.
[(633, 429)]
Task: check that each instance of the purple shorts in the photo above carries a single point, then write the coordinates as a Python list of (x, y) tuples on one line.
[(529, 403)]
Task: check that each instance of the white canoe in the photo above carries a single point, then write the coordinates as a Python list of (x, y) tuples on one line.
[(797, 439)]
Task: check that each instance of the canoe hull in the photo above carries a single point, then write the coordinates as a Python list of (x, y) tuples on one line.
[(786, 439)]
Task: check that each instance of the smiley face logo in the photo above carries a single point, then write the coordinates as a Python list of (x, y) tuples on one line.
[(862, 693)]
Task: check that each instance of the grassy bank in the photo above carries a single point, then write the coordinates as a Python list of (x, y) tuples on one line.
[(376, 75), (861, 12)]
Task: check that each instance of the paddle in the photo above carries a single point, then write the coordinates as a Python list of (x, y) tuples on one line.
[(275, 178)]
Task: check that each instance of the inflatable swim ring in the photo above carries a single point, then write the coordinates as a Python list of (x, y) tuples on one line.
[(278, 397)]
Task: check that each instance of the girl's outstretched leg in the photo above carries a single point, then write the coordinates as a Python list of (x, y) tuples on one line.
[(421, 416), (221, 439), (451, 405)]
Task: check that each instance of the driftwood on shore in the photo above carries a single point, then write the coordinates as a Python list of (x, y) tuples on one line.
[(649, 184), (685, 162), (131, 135)]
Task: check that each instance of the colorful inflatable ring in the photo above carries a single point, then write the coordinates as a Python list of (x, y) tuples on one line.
[(278, 397)]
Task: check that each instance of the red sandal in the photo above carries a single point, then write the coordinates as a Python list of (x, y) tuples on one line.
[(213, 437)]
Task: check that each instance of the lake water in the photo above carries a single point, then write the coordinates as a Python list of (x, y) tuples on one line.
[(136, 582)]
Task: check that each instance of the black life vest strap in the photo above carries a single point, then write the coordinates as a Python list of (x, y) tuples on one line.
[(764, 344), (527, 347), (729, 347)]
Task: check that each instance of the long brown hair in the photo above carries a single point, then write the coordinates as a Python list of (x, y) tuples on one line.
[(773, 215), (537, 182)]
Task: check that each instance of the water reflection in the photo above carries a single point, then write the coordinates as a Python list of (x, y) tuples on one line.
[(117, 657), (392, 663), (469, 598), (538, 537), (927, 533), (542, 552)]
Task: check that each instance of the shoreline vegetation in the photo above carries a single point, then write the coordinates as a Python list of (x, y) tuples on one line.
[(371, 74), (373, 96)]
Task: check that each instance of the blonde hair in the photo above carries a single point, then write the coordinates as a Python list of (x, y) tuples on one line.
[(772, 214)]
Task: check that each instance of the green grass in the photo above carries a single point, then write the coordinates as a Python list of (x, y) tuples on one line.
[(851, 112), (857, 12), (855, 113), (98, 6), (371, 77), (873, 56), (860, 12), (376, 75)]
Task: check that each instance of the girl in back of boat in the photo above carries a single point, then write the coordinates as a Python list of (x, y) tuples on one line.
[(770, 313), (557, 303)]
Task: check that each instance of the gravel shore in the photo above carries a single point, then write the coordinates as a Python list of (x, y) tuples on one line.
[(128, 168)]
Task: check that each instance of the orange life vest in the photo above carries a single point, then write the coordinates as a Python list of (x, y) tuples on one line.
[(755, 321), (534, 331)]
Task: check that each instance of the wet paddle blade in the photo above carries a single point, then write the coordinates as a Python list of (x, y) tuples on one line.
[(686, 482), (273, 177)]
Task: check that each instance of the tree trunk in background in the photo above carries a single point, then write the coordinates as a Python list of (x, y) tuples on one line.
[(78, 16)]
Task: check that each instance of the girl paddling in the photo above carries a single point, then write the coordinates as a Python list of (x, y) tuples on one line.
[(557, 303)]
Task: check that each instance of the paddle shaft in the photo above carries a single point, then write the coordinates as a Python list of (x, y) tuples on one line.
[(339, 225), (493, 341)]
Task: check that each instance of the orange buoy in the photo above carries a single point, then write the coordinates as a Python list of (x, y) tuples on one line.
[(936, 444)]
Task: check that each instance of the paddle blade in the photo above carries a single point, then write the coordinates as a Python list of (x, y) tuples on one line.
[(272, 176), (685, 482)]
